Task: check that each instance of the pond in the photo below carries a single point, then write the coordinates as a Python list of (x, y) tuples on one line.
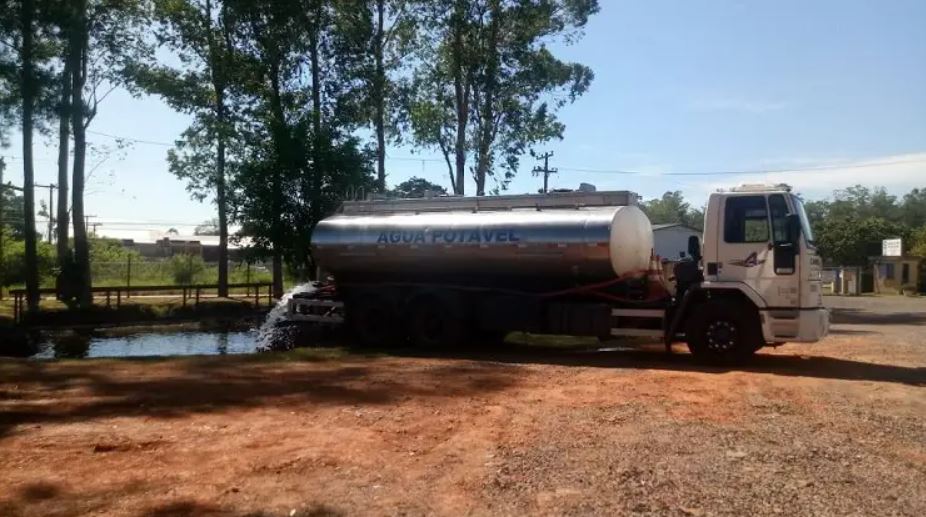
[(145, 342)]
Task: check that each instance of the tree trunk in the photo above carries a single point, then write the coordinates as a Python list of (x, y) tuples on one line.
[(64, 141), (281, 147), (221, 201), (379, 97), (28, 107), (79, 41), (217, 66), (461, 94), (487, 113)]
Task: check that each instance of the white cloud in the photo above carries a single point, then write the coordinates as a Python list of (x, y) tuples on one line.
[(752, 106), (897, 173)]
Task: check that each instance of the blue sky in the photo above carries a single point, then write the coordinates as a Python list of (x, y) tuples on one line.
[(713, 85)]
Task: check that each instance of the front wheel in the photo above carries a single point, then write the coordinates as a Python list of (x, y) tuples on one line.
[(723, 332)]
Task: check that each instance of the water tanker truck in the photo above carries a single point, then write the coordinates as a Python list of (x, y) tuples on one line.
[(453, 270)]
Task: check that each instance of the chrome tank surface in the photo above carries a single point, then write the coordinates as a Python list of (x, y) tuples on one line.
[(588, 244)]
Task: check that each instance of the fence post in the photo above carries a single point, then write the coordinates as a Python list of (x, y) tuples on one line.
[(128, 276)]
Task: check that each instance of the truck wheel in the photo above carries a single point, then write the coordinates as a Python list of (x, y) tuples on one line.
[(435, 323), (723, 332), (372, 321)]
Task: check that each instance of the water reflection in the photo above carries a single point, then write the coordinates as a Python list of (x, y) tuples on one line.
[(70, 345), (73, 345)]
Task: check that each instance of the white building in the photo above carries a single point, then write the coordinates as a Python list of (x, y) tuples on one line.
[(671, 240)]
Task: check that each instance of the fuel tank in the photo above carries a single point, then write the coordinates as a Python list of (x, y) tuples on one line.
[(585, 244)]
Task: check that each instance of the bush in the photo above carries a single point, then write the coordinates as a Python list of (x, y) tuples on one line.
[(14, 262), (187, 269)]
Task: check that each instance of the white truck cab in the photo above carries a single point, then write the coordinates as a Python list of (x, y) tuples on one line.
[(757, 241)]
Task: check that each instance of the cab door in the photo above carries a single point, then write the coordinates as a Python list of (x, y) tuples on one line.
[(746, 250)]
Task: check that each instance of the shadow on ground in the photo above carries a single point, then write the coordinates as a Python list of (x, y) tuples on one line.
[(90, 389), (864, 317)]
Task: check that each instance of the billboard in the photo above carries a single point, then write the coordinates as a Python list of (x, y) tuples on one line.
[(891, 247)]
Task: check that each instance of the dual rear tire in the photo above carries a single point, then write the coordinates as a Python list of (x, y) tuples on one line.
[(427, 322)]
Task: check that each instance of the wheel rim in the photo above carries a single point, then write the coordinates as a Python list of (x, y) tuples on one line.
[(721, 336)]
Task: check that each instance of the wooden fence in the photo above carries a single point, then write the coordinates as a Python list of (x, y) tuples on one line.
[(188, 293)]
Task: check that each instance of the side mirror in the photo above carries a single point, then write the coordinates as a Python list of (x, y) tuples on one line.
[(694, 248)]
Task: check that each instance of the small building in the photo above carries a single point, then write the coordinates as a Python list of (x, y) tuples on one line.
[(844, 280), (893, 273), (670, 241)]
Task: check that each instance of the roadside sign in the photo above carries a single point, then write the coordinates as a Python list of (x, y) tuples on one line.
[(891, 248)]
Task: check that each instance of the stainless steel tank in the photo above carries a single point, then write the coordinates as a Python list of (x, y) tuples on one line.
[(584, 243)]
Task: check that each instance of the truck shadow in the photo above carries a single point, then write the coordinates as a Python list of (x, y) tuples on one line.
[(653, 357)]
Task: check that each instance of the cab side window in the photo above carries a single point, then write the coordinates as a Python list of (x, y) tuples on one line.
[(778, 209), (746, 219)]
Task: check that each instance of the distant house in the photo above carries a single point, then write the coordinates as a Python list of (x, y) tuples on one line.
[(670, 241), (205, 246), (891, 274)]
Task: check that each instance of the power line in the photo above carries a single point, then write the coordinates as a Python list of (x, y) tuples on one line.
[(130, 139)]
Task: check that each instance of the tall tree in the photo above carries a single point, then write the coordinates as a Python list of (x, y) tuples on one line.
[(24, 74), (200, 33), (104, 36), (506, 84), (302, 63), (393, 37)]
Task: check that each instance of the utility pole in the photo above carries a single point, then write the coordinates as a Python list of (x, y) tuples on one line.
[(51, 207), (545, 170)]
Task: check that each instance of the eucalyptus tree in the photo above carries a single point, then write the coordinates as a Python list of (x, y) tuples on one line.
[(491, 86), (105, 37), (25, 70), (299, 98), (199, 33), (393, 38)]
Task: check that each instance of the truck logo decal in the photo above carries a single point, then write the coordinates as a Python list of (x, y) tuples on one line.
[(447, 237), (751, 261)]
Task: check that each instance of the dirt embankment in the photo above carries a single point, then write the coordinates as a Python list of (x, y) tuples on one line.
[(832, 428)]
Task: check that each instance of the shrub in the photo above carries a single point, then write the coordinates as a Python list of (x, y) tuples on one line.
[(186, 269)]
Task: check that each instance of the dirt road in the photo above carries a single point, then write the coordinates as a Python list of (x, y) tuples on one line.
[(829, 429)]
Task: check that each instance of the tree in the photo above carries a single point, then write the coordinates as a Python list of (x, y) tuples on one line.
[(850, 241), (672, 208), (104, 36), (210, 227), (24, 72), (393, 36), (415, 187), (200, 32), (301, 64), (491, 86)]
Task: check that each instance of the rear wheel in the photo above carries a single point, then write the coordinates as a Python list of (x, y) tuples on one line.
[(435, 322), (723, 332), (372, 321)]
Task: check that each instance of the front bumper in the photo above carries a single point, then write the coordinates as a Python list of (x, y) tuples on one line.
[(814, 325), (796, 325)]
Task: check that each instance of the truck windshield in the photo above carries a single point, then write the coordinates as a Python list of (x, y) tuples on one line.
[(805, 223)]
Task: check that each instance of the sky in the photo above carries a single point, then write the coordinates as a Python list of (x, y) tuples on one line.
[(833, 88)]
